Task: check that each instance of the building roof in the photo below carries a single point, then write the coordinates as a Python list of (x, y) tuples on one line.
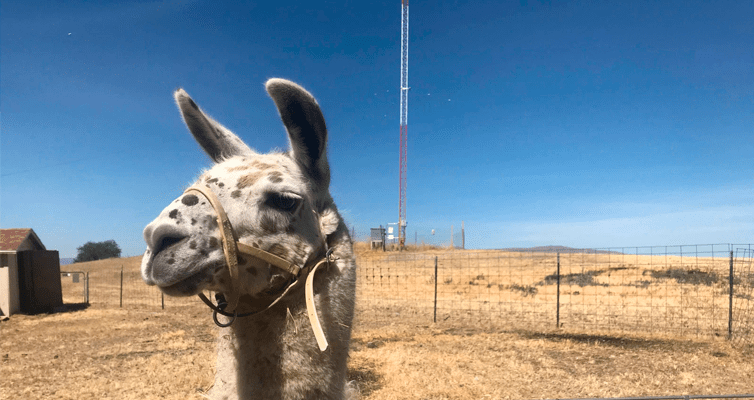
[(12, 239)]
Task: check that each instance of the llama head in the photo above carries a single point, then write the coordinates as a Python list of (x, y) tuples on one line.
[(277, 202)]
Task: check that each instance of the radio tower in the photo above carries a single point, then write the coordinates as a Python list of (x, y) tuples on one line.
[(404, 124)]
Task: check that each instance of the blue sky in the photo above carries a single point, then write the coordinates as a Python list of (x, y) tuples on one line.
[(585, 124)]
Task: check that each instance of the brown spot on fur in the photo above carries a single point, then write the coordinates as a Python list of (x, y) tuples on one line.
[(192, 245), (207, 178), (240, 168), (235, 194), (248, 180), (221, 184), (193, 221), (261, 165), (213, 242), (174, 214), (275, 177), (267, 224), (278, 250), (213, 180), (300, 249)]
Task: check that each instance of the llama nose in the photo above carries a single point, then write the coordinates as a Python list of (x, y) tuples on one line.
[(161, 236)]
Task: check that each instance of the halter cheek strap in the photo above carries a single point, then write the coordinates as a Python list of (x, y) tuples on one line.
[(231, 248)]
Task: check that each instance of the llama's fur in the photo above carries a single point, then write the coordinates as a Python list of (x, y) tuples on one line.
[(278, 202)]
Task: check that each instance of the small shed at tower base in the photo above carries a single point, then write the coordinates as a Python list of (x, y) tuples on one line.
[(29, 274)]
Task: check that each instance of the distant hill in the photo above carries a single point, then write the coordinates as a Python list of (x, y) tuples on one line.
[(560, 249)]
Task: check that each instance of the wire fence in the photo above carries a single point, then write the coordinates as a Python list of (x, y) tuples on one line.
[(669, 290), (116, 287), (688, 291)]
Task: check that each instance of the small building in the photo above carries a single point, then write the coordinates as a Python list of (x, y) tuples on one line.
[(29, 274), (377, 238)]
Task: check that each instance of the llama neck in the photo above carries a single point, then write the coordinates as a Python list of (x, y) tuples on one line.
[(274, 355), (249, 358)]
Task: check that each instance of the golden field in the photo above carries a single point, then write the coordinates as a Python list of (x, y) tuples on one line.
[(629, 326)]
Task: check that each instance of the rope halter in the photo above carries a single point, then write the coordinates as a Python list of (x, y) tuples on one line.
[(231, 248)]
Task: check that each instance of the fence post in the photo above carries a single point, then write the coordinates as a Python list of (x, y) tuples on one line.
[(730, 298), (86, 296), (463, 236), (434, 317), (121, 286), (557, 305), (84, 285), (162, 295)]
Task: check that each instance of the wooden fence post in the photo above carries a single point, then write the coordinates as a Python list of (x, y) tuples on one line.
[(730, 298), (463, 236), (557, 312), (121, 286), (434, 317)]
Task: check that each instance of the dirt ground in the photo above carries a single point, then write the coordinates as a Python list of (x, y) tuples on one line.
[(112, 353)]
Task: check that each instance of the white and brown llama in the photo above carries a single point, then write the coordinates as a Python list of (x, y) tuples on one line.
[(279, 203)]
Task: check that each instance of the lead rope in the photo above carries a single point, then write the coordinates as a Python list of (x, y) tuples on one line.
[(221, 305), (311, 309)]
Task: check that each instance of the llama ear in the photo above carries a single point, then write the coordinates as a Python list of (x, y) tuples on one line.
[(216, 140), (306, 128)]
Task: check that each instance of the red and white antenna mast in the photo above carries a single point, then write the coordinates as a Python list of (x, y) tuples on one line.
[(404, 124)]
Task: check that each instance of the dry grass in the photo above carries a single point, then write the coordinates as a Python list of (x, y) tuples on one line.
[(468, 364), (129, 354), (105, 352)]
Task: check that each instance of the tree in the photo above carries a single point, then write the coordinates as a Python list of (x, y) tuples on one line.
[(91, 251)]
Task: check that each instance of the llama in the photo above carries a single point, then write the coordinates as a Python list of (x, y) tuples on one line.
[(278, 203)]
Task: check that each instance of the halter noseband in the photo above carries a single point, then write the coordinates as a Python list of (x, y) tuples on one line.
[(231, 248)]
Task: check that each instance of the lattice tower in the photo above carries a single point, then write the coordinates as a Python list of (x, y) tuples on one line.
[(404, 125)]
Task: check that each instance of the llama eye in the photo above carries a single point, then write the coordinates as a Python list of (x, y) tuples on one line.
[(282, 202)]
